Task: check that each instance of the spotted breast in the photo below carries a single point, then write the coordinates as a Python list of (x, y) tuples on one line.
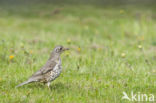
[(55, 72)]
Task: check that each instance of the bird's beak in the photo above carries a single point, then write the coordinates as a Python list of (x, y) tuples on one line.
[(64, 49)]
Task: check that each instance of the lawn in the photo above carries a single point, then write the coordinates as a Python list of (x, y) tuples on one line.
[(112, 50)]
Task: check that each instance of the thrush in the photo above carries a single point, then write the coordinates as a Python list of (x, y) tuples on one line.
[(50, 71)]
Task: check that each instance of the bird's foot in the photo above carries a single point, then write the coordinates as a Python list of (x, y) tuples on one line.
[(48, 84)]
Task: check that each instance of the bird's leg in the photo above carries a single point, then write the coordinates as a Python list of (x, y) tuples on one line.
[(48, 84)]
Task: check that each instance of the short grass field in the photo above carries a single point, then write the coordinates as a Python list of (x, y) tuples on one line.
[(112, 50)]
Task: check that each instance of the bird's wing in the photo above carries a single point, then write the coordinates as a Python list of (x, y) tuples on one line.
[(50, 65)]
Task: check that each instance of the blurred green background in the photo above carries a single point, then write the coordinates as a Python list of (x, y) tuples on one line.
[(112, 42)]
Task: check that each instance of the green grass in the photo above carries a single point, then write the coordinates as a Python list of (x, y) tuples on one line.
[(106, 57)]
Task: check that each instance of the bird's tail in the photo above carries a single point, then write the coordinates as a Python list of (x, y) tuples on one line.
[(26, 82)]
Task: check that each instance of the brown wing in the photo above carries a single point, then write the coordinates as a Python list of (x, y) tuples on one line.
[(50, 65)]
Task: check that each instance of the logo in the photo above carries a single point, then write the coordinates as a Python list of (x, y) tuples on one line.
[(138, 97)]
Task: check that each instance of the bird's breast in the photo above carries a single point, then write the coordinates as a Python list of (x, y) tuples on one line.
[(56, 71)]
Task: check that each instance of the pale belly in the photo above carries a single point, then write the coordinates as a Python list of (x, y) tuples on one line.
[(55, 73)]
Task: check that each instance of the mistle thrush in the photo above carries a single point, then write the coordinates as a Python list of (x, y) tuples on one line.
[(50, 71)]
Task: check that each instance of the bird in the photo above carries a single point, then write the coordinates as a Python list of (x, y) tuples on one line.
[(50, 71)]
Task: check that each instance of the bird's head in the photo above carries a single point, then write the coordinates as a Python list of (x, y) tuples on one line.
[(59, 49), (55, 54)]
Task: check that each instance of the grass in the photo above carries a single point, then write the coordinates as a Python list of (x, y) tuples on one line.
[(113, 49)]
